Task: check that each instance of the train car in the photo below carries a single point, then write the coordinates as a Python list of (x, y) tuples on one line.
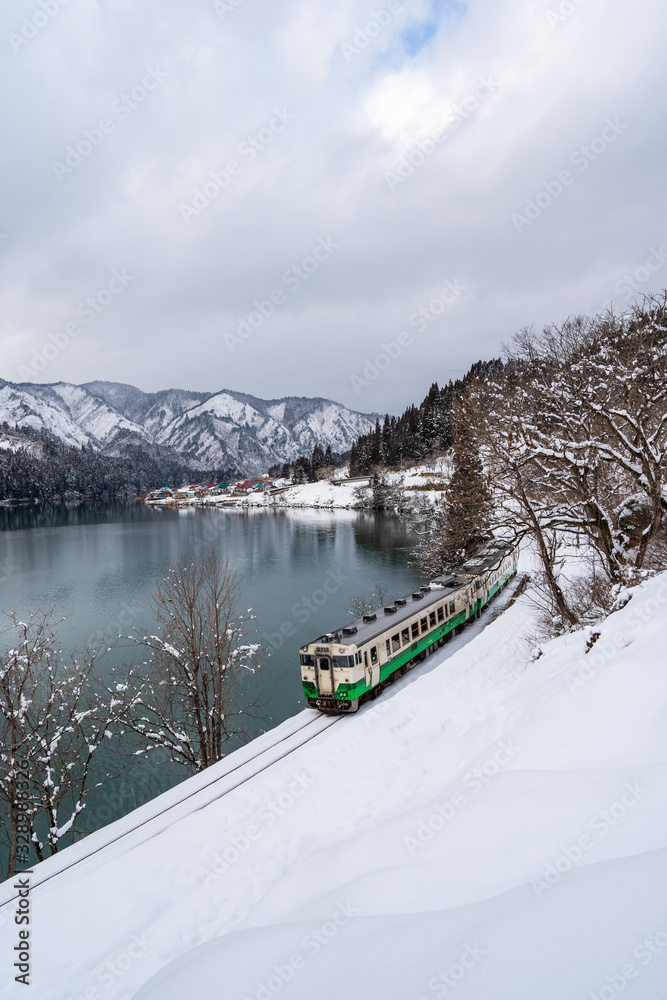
[(344, 668)]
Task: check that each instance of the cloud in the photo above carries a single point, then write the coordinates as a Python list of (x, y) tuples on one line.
[(552, 82)]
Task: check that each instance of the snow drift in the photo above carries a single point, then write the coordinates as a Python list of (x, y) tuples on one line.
[(494, 827)]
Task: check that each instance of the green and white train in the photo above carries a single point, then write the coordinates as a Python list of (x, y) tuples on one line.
[(344, 668)]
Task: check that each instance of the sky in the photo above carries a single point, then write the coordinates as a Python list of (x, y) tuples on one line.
[(347, 200)]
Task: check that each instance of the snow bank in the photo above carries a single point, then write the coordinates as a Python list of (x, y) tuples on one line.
[(493, 827), (321, 494)]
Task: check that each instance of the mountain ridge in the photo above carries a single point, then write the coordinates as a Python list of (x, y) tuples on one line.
[(223, 429)]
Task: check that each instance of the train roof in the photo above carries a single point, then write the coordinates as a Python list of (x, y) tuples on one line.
[(486, 558), (360, 632)]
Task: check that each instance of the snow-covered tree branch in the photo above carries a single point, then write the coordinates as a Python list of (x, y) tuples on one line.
[(194, 702)]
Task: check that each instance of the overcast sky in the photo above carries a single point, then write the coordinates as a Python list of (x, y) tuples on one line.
[(372, 160)]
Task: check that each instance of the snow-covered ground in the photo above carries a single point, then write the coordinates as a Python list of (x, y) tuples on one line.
[(493, 828), (321, 494), (326, 494)]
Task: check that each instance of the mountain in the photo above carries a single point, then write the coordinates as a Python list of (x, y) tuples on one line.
[(223, 430)]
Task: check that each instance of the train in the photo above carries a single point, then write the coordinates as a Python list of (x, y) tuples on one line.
[(352, 664)]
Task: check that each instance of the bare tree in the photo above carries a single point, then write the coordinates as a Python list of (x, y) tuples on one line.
[(361, 605), (525, 504), (598, 390), (193, 705), (55, 716)]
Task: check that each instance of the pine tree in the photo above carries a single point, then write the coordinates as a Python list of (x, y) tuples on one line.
[(460, 524), (468, 498)]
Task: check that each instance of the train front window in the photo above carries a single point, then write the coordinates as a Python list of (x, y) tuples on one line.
[(343, 661), (307, 660)]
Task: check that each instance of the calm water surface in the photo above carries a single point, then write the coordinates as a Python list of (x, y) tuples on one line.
[(101, 565)]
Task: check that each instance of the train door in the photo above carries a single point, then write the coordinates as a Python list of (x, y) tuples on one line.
[(375, 666), (324, 675), (367, 670)]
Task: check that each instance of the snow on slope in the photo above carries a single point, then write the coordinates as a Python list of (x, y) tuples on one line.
[(224, 429), (23, 408), (494, 828), (67, 411)]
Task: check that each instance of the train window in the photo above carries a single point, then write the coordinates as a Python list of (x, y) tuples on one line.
[(374, 654), (441, 614), (424, 624), (415, 630), (365, 658), (343, 661), (388, 648), (307, 660), (405, 636), (395, 642), (451, 607), (324, 664), (431, 619)]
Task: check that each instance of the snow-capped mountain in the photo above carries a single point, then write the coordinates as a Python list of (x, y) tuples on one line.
[(223, 430)]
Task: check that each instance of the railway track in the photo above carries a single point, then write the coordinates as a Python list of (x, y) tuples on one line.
[(149, 823), (151, 826)]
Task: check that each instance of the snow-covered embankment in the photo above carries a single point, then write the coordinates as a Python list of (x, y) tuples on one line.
[(494, 827)]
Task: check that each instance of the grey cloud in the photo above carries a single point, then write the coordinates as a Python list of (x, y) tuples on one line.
[(322, 175)]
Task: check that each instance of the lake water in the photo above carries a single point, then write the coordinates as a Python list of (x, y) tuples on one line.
[(102, 564)]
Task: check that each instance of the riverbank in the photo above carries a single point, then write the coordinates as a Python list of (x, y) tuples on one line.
[(341, 493)]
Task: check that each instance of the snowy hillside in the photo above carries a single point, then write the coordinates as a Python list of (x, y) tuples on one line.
[(493, 828), (224, 429)]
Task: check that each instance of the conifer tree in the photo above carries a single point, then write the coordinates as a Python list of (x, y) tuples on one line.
[(468, 498), (460, 524)]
